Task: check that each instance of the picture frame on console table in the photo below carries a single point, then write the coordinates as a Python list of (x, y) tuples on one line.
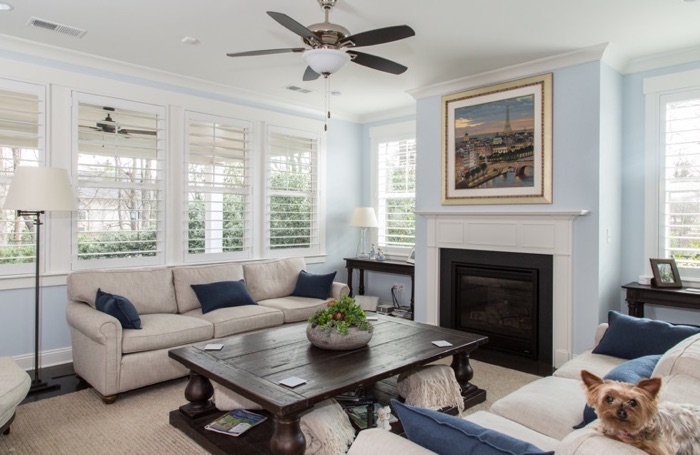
[(497, 144), (665, 274)]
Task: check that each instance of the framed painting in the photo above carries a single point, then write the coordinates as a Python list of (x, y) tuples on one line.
[(665, 273), (497, 144)]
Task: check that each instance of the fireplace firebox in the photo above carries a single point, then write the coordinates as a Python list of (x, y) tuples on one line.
[(506, 296)]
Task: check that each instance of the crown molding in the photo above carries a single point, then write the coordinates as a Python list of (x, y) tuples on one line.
[(665, 59)]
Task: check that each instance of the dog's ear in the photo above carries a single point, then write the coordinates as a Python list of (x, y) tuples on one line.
[(650, 386), (589, 379)]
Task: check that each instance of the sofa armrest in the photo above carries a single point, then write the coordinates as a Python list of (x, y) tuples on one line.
[(339, 289), (94, 324), (587, 441), (384, 442), (599, 332)]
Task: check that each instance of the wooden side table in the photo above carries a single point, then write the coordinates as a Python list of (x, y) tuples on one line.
[(639, 294), (387, 266)]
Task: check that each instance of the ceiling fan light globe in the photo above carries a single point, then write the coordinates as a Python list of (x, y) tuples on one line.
[(325, 61)]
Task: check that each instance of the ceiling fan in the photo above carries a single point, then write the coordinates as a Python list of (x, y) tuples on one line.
[(110, 126), (330, 45)]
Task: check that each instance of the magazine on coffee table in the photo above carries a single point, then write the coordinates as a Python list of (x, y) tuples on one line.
[(235, 422)]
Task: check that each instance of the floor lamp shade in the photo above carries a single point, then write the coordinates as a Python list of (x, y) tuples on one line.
[(33, 191), (40, 189), (364, 218)]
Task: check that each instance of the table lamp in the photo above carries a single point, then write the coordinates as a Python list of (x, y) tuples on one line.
[(364, 218), (33, 191)]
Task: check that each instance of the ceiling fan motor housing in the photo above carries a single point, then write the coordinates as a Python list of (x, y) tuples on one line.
[(328, 34)]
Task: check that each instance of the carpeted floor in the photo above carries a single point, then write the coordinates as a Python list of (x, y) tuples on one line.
[(137, 423)]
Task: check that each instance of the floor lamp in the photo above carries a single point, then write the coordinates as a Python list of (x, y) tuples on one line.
[(33, 191), (364, 218)]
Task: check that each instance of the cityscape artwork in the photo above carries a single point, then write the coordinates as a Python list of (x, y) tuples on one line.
[(497, 144)]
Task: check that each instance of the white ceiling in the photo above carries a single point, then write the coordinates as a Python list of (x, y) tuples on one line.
[(454, 39)]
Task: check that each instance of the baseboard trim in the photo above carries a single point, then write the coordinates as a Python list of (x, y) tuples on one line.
[(46, 358)]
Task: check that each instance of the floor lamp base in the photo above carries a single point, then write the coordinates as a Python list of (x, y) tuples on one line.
[(39, 386)]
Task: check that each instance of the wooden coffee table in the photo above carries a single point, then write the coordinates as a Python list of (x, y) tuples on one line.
[(252, 364)]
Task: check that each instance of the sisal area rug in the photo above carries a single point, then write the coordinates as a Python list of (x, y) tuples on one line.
[(137, 423)]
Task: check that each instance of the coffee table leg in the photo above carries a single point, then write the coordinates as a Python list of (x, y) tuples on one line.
[(198, 392), (287, 438), (463, 371)]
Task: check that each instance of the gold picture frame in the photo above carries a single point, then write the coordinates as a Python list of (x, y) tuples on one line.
[(497, 144)]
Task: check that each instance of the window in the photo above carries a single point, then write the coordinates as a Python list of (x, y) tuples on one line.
[(675, 152), (291, 193), (218, 187), (22, 113), (394, 162), (120, 182)]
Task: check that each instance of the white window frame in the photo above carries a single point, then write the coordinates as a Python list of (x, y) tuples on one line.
[(658, 91), (40, 92), (380, 134), (318, 243), (247, 251), (160, 257)]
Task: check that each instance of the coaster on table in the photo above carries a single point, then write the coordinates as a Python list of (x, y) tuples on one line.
[(293, 381), (214, 347), (442, 343)]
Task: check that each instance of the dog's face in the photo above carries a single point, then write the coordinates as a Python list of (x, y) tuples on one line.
[(620, 406)]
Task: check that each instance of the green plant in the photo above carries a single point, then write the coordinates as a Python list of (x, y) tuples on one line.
[(340, 315)]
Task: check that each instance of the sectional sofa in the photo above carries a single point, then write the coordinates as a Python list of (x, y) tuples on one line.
[(114, 359), (544, 412)]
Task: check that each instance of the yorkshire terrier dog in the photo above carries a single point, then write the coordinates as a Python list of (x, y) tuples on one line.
[(632, 414)]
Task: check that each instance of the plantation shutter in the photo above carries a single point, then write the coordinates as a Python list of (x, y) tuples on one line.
[(396, 185), (680, 180), (218, 196), (120, 169), (22, 140), (291, 176)]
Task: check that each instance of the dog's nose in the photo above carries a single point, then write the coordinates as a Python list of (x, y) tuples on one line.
[(621, 413)]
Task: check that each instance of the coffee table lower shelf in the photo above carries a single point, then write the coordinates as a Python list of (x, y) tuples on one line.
[(257, 440)]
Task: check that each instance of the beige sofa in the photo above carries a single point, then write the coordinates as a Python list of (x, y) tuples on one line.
[(114, 360), (544, 411)]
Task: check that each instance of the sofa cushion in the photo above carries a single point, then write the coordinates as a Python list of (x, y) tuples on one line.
[(682, 358), (118, 307), (272, 279), (551, 405), (443, 433), (313, 286), (159, 331), (680, 388), (150, 290), (589, 441), (185, 276), (630, 372), (514, 429), (598, 364), (230, 321), (295, 309), (629, 337), (222, 294)]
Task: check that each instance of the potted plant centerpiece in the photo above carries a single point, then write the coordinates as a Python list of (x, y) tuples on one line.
[(343, 325)]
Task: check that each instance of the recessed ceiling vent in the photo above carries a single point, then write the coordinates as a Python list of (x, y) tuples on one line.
[(294, 88), (55, 27)]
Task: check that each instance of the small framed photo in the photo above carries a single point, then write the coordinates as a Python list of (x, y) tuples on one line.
[(665, 273), (411, 256)]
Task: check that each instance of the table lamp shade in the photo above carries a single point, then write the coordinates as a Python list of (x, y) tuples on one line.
[(40, 189), (364, 217)]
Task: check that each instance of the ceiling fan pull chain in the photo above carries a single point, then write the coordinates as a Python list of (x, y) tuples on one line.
[(328, 101)]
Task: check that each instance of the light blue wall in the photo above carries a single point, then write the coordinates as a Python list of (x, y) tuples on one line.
[(634, 261)]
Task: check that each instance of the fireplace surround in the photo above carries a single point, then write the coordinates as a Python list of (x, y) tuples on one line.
[(548, 233)]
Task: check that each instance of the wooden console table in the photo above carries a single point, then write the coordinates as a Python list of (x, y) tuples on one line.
[(639, 294), (387, 266)]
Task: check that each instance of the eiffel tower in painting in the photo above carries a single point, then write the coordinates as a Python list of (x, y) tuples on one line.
[(507, 130)]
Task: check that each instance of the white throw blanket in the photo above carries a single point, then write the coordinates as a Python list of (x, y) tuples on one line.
[(228, 400), (327, 429), (432, 387)]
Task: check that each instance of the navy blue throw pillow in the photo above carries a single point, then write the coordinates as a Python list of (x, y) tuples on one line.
[(119, 307), (446, 434), (631, 371), (628, 337), (314, 286), (222, 294)]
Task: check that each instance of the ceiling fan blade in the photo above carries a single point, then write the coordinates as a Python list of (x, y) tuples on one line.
[(266, 52), (379, 36), (377, 63), (310, 75), (292, 25)]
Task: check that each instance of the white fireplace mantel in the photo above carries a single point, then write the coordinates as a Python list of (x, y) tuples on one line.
[(549, 233)]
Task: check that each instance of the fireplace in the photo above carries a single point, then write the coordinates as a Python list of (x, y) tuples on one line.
[(506, 296)]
